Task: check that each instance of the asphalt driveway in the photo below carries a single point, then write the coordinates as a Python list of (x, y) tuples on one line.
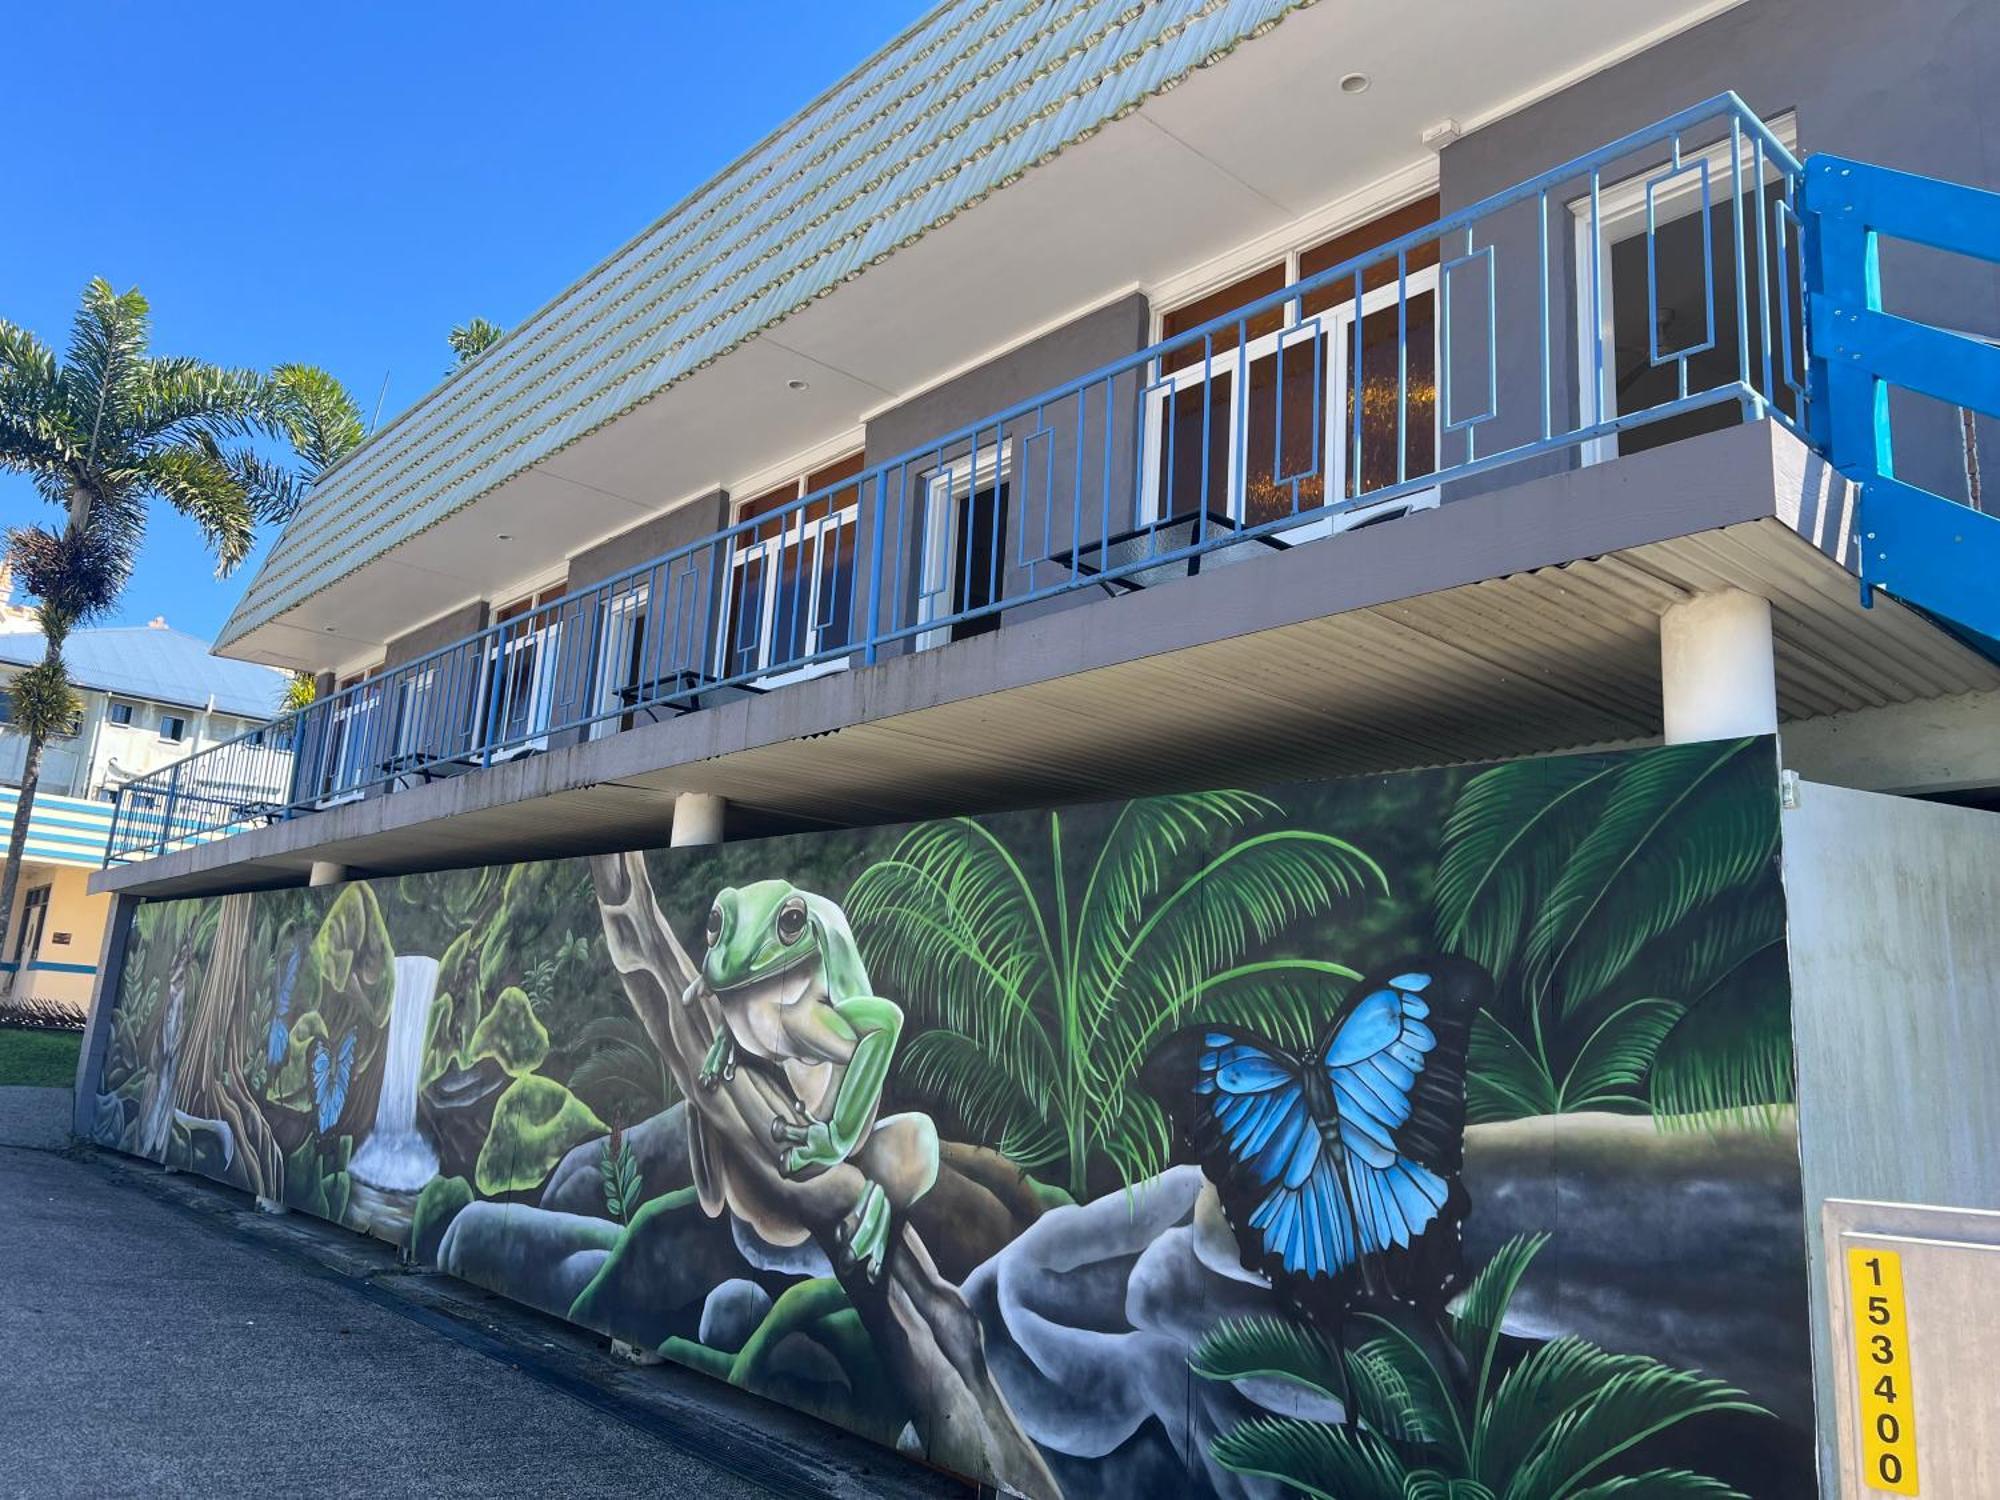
[(159, 1338)]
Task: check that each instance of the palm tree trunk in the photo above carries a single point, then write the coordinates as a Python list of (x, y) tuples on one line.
[(17, 844)]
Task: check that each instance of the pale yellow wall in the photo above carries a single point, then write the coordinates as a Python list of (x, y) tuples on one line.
[(72, 910)]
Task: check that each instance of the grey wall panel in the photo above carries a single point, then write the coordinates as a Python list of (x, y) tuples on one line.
[(1047, 509), (467, 619), (1895, 962)]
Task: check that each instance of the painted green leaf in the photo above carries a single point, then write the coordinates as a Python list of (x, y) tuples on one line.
[(536, 1121)]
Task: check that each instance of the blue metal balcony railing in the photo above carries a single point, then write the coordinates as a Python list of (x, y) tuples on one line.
[(1354, 394)]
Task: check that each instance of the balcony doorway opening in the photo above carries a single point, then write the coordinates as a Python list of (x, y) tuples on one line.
[(1668, 258), (792, 596), (963, 557)]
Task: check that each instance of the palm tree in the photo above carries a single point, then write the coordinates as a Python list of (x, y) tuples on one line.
[(1039, 995), (1560, 1423), (321, 419), (1630, 911), (470, 340), (105, 432)]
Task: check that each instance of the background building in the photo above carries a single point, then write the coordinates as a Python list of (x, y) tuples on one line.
[(151, 696)]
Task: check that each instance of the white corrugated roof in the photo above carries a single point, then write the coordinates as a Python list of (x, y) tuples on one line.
[(957, 107)]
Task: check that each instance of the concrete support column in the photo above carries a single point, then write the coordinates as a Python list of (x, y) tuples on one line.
[(697, 819), (325, 872), (1718, 671)]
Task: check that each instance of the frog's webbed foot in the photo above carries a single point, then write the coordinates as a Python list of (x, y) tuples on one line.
[(864, 1233), (720, 1064)]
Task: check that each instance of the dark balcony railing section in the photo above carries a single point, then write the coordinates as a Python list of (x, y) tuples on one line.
[(1349, 397)]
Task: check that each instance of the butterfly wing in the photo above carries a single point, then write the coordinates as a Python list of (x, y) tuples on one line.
[(331, 1074), (1245, 1106), (1395, 1060), (278, 1038)]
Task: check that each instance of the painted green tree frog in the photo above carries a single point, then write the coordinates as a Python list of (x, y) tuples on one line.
[(785, 972)]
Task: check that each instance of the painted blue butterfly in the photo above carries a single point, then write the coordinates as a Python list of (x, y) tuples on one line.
[(331, 1073), (279, 1039), (1339, 1168)]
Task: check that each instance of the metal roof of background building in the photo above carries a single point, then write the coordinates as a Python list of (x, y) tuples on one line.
[(157, 664), (954, 109)]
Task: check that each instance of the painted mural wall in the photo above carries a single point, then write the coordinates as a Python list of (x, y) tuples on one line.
[(1421, 1135)]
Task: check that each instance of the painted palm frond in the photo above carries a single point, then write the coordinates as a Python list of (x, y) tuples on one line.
[(1045, 978), (1268, 1347), (1609, 897), (1238, 900), (1314, 1458), (1559, 1423), (990, 1102), (1729, 1057), (1676, 833), (1504, 844)]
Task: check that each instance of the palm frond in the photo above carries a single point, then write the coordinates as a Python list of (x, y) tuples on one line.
[(1678, 830), (1147, 842), (1729, 1057), (1659, 1484), (1526, 1401), (1245, 895), (318, 415), (1504, 1079), (101, 372), (996, 1098), (1610, 1067), (1475, 1326), (1265, 1346), (1508, 834), (179, 399), (1316, 1458), (1638, 1403), (197, 482), (473, 338)]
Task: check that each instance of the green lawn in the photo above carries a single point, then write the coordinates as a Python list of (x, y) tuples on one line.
[(45, 1058)]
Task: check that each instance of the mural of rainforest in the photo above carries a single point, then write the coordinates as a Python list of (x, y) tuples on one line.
[(1423, 1137)]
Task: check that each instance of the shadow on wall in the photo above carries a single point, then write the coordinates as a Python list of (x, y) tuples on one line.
[(1354, 1138)]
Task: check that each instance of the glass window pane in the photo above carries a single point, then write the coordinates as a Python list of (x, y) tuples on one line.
[(1194, 477), (1284, 472), (1381, 380)]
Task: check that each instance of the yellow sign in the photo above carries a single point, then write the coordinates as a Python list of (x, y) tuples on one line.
[(1882, 1357)]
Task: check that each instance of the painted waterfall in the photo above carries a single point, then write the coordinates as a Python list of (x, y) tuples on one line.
[(1234, 1143)]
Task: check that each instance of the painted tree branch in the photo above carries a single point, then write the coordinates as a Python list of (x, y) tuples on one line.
[(922, 1328)]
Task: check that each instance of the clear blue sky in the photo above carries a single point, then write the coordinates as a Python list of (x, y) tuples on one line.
[(341, 184)]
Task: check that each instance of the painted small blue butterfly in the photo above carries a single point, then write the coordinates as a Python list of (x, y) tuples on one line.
[(331, 1074), (279, 1039)]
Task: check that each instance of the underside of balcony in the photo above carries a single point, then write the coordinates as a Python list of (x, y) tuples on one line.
[(1522, 621)]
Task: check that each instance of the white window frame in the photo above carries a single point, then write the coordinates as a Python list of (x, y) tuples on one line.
[(621, 616), (796, 533), (1621, 213), (1331, 325), (937, 554), (347, 729), (545, 639)]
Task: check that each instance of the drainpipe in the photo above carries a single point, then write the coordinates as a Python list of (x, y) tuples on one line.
[(1718, 670)]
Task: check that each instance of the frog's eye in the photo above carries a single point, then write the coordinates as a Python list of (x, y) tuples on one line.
[(714, 925), (791, 921)]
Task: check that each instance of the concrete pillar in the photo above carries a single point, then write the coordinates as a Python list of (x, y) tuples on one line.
[(324, 872), (1718, 672), (697, 819)]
